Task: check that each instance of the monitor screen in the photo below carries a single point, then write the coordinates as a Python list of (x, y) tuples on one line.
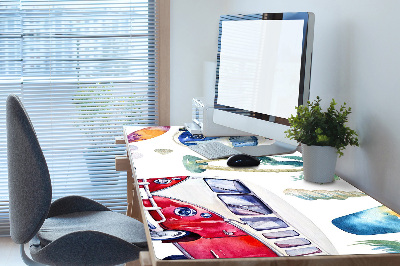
[(263, 71)]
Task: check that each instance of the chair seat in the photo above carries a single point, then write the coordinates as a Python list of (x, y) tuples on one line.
[(107, 222)]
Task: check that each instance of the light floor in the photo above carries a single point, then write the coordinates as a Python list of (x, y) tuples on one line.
[(9, 253)]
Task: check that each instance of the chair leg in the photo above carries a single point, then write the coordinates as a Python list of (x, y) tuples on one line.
[(26, 259)]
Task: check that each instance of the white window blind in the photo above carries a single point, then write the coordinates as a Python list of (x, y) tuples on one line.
[(83, 69)]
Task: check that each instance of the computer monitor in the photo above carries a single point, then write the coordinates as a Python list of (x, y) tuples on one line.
[(263, 73)]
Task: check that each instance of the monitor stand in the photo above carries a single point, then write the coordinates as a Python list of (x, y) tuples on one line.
[(270, 148)]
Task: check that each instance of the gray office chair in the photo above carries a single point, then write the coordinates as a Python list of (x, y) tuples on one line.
[(70, 231)]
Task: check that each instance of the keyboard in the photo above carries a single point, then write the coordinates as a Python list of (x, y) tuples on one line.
[(213, 150)]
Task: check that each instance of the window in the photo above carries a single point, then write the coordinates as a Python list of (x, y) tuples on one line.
[(83, 69)]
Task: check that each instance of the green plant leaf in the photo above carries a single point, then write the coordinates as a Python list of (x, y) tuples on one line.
[(313, 126)]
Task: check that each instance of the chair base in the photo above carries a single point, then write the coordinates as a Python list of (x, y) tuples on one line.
[(26, 259)]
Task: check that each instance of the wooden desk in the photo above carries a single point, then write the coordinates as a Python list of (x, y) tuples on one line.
[(332, 218)]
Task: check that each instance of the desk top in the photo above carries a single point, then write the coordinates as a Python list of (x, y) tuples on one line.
[(202, 209)]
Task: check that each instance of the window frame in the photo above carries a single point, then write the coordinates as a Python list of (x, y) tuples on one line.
[(163, 36)]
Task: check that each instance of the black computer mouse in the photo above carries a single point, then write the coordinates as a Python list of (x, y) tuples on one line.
[(242, 160)]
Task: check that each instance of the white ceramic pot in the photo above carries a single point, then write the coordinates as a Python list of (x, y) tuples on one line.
[(319, 163)]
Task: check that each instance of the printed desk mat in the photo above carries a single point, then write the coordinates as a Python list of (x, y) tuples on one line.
[(202, 209)]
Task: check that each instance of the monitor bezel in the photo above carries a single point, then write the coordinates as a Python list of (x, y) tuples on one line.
[(306, 58)]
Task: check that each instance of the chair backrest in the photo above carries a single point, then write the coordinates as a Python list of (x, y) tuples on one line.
[(29, 181)]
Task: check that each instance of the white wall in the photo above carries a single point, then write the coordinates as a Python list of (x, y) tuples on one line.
[(356, 60), (194, 41)]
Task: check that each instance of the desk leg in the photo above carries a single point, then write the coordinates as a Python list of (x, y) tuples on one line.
[(130, 192), (132, 197), (133, 210), (144, 260)]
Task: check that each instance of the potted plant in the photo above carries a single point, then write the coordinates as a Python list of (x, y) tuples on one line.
[(323, 135)]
